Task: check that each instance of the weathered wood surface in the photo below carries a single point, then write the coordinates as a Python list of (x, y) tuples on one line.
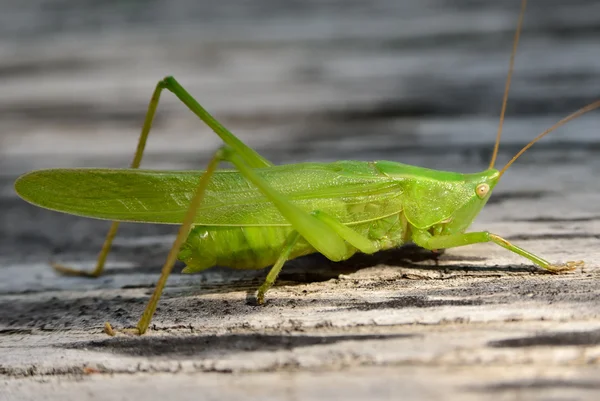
[(412, 81)]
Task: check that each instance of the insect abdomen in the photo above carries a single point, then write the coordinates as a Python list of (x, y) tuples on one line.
[(257, 247), (237, 247)]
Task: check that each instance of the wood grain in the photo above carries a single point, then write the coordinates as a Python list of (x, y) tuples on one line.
[(411, 81)]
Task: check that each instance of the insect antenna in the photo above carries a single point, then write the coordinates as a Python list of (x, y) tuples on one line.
[(508, 79), (565, 120)]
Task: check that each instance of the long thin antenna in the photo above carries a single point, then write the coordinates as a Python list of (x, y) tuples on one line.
[(507, 85), (565, 120)]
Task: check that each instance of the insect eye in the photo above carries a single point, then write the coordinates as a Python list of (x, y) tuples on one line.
[(482, 190)]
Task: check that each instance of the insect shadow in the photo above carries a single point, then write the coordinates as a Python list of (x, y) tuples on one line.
[(219, 345), (565, 339), (316, 268), (408, 256), (535, 385)]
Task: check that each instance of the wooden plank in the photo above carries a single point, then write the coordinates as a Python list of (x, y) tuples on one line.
[(411, 81)]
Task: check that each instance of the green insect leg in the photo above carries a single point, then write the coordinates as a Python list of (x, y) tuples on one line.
[(135, 163), (104, 251), (250, 156), (346, 233), (182, 234), (276, 269), (358, 241), (426, 240)]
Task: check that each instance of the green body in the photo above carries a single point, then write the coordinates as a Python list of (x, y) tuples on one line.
[(237, 226)]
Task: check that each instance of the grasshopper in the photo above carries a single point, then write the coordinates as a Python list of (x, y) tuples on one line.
[(259, 215)]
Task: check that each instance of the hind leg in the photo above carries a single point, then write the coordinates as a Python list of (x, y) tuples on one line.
[(249, 155)]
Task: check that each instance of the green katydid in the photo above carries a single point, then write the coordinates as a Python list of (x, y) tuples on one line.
[(260, 215)]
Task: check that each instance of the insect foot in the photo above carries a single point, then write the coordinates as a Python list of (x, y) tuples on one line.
[(566, 267), (260, 297), (108, 329)]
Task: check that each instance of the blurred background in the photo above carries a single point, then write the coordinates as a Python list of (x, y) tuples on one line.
[(415, 81)]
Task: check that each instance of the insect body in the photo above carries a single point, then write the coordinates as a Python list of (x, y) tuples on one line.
[(237, 226), (260, 215)]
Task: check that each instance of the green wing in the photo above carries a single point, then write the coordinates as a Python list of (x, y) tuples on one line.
[(353, 192)]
